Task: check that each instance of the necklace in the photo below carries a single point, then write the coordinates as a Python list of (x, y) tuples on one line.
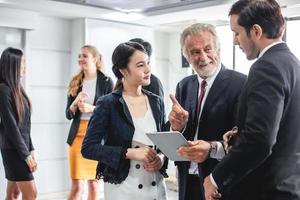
[(132, 101)]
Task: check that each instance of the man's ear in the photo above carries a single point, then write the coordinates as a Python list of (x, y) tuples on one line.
[(256, 31)]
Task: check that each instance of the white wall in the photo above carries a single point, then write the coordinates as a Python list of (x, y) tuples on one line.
[(48, 55), (48, 72), (106, 35), (168, 63)]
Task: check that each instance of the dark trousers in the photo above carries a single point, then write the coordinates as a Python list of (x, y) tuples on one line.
[(194, 188)]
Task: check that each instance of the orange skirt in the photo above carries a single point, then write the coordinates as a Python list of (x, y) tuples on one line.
[(81, 168)]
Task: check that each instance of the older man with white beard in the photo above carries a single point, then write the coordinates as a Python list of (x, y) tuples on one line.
[(204, 108)]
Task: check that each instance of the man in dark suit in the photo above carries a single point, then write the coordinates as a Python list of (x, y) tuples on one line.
[(264, 162), (210, 98)]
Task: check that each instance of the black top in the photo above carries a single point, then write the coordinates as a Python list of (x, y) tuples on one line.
[(104, 86), (13, 136), (155, 86)]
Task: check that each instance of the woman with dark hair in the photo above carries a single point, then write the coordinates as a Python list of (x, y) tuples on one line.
[(15, 140), (155, 85), (130, 166), (84, 89)]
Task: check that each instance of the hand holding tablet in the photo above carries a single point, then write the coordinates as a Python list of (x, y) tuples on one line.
[(168, 143)]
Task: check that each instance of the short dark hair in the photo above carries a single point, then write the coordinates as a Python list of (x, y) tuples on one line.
[(122, 54), (147, 46), (266, 13)]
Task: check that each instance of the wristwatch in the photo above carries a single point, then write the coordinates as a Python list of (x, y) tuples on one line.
[(213, 149)]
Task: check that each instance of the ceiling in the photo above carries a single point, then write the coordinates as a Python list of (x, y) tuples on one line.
[(168, 15), (174, 14), (146, 7)]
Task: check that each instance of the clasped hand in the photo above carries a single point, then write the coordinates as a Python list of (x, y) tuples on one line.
[(148, 156), (81, 105)]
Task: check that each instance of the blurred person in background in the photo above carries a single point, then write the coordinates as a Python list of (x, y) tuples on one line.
[(83, 92)]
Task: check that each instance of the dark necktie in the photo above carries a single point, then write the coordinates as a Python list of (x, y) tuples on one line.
[(200, 98)]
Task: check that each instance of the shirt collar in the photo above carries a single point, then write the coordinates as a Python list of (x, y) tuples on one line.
[(209, 80), (267, 48)]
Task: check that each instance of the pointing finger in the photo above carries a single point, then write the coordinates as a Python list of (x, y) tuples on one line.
[(174, 100)]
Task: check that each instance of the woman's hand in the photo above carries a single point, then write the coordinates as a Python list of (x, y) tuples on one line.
[(30, 161), (79, 99), (85, 107), (144, 154), (153, 165)]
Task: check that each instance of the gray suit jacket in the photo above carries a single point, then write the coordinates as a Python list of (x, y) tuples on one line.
[(264, 163)]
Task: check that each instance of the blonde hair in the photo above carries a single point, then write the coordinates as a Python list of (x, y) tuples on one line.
[(77, 80), (195, 29)]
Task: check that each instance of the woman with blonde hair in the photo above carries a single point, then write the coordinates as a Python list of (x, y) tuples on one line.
[(83, 92)]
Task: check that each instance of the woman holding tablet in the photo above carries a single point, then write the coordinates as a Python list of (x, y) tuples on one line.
[(130, 167)]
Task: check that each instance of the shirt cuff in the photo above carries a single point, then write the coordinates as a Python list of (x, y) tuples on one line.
[(220, 153), (162, 158), (213, 181)]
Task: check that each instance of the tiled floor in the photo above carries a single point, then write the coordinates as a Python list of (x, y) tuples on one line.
[(171, 183), (172, 195)]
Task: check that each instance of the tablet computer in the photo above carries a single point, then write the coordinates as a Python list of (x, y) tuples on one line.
[(168, 143)]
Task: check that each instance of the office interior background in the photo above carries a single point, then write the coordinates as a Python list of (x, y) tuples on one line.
[(52, 32)]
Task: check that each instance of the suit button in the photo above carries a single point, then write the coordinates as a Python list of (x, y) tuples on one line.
[(140, 186), (137, 166), (153, 183)]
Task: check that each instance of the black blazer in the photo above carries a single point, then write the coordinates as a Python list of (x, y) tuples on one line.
[(264, 163), (218, 115), (103, 87), (112, 123), (13, 136)]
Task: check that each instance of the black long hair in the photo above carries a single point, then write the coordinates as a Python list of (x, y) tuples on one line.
[(121, 57), (10, 67)]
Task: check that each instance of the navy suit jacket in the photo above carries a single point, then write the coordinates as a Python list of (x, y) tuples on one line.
[(264, 163), (218, 115), (113, 123)]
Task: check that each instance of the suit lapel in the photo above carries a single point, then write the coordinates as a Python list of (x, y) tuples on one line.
[(193, 97), (125, 109), (155, 111), (218, 86), (97, 92)]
